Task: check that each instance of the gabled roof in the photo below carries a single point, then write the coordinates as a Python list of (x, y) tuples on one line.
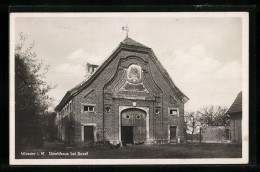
[(131, 42), (237, 105), (132, 45)]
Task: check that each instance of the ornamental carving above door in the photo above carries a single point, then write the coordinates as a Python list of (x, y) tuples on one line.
[(134, 80), (134, 73)]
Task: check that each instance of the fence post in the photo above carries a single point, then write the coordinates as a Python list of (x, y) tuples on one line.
[(200, 134)]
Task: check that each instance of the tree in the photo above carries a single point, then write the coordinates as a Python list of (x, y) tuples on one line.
[(192, 122), (214, 116), (31, 98), (49, 128), (206, 116)]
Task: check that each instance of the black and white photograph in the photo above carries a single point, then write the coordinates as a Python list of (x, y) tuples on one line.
[(129, 88)]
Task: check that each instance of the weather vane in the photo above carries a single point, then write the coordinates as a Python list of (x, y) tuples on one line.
[(125, 28)]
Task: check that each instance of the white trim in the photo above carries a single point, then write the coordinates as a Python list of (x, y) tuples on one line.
[(70, 106), (94, 130), (169, 132), (173, 108), (146, 109), (87, 104)]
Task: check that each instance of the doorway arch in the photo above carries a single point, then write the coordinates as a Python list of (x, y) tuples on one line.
[(136, 120)]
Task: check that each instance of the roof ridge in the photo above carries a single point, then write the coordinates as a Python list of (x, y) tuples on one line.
[(132, 42), (236, 105), (129, 42)]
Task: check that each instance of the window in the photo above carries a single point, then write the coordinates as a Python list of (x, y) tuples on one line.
[(157, 111), (174, 111), (107, 109), (88, 108)]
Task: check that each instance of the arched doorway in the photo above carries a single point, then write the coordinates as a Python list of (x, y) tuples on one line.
[(133, 126)]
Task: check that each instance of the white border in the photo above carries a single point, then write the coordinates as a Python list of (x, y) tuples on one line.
[(245, 87)]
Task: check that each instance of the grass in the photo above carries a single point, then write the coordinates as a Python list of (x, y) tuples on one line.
[(152, 151)]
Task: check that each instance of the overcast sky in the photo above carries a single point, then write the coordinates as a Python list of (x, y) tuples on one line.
[(203, 55)]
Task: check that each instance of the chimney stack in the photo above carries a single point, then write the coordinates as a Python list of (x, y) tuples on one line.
[(91, 68)]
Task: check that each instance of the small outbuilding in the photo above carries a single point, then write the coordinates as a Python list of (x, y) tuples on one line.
[(235, 113)]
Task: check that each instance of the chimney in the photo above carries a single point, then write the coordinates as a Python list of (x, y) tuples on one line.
[(91, 68)]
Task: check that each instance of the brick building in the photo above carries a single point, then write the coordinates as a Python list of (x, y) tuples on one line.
[(129, 98), (235, 113)]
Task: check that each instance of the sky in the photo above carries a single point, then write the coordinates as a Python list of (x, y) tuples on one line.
[(203, 55)]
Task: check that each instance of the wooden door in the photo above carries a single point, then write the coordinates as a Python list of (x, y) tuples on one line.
[(127, 134), (173, 130), (135, 118), (88, 135), (139, 126)]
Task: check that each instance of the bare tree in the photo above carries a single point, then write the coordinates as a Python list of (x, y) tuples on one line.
[(192, 122), (214, 116)]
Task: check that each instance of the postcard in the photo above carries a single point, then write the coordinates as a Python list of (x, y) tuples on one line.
[(129, 88)]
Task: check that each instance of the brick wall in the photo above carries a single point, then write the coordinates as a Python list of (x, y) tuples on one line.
[(160, 95), (214, 134)]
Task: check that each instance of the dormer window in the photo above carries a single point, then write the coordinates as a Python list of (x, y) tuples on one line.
[(91, 68), (70, 107)]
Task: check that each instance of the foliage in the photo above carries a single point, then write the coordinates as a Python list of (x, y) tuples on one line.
[(214, 116), (31, 89), (49, 128), (206, 116)]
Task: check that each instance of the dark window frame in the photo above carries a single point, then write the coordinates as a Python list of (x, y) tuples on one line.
[(88, 108), (171, 111)]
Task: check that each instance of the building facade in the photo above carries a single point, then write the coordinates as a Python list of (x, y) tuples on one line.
[(235, 113), (129, 98)]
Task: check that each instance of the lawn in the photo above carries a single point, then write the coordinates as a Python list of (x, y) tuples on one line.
[(152, 151)]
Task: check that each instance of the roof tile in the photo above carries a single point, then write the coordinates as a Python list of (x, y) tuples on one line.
[(126, 41), (129, 41), (237, 105)]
